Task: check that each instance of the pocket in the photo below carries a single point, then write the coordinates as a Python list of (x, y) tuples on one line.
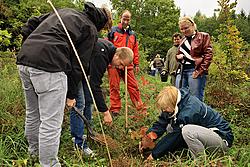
[(118, 40), (41, 80)]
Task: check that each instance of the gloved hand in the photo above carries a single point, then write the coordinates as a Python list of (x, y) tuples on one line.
[(148, 141)]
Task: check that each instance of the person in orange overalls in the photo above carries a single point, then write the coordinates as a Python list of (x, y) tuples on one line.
[(122, 35)]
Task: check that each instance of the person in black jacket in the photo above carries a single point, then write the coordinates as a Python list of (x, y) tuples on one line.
[(104, 53), (48, 66)]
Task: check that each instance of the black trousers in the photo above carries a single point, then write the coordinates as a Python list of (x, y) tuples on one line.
[(169, 144)]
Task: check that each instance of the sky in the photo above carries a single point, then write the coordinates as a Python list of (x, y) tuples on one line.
[(190, 7)]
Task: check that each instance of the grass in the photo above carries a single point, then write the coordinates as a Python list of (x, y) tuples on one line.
[(13, 145)]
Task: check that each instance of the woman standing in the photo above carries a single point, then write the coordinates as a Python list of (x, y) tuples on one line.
[(195, 54)]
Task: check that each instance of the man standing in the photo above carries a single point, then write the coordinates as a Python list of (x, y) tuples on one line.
[(171, 63), (47, 65), (122, 35)]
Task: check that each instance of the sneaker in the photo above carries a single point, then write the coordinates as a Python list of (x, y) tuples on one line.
[(87, 151), (76, 146)]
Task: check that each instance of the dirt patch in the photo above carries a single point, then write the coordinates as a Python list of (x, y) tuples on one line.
[(121, 162), (112, 144)]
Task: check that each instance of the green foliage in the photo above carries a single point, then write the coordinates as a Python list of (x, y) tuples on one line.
[(225, 82), (13, 146), (14, 13), (149, 20), (5, 37), (243, 24), (209, 25), (154, 21), (230, 59)]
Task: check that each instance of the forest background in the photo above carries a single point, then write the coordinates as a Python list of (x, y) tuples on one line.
[(154, 21)]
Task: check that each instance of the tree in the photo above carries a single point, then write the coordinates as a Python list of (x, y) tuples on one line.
[(154, 21), (231, 44), (209, 25), (243, 25), (14, 13)]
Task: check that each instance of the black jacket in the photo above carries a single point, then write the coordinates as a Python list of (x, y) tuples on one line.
[(47, 46), (102, 56)]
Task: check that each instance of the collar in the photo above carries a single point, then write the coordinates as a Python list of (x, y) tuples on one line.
[(125, 30)]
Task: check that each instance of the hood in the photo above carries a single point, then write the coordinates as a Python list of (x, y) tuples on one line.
[(110, 48), (96, 15), (185, 94), (176, 110)]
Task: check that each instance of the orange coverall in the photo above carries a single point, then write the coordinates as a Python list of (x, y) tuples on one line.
[(120, 38)]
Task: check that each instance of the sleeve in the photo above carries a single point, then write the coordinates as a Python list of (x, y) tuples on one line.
[(84, 49), (111, 35), (97, 69), (32, 24), (136, 53), (159, 127), (166, 63), (74, 78), (208, 52)]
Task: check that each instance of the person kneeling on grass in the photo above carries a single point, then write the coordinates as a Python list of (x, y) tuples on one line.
[(189, 123)]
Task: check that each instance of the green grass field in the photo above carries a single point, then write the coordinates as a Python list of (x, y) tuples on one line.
[(13, 145)]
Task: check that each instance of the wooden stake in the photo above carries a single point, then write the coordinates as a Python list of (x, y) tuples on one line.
[(126, 97)]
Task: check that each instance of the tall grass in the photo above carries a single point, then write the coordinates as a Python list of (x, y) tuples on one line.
[(13, 145)]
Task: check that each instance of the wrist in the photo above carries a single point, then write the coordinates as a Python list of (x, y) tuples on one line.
[(106, 113)]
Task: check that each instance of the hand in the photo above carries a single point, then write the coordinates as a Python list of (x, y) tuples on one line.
[(163, 72), (137, 69), (150, 158), (180, 56), (196, 73), (145, 143), (70, 102), (107, 118)]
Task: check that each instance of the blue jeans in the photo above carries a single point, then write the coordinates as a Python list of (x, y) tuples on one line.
[(83, 103), (196, 86), (153, 72)]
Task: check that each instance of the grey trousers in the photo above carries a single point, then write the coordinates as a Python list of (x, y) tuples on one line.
[(45, 95), (199, 139)]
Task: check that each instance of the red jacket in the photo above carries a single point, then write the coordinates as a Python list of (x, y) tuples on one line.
[(120, 38)]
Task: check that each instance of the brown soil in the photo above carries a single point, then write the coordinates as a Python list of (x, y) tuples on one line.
[(112, 144)]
